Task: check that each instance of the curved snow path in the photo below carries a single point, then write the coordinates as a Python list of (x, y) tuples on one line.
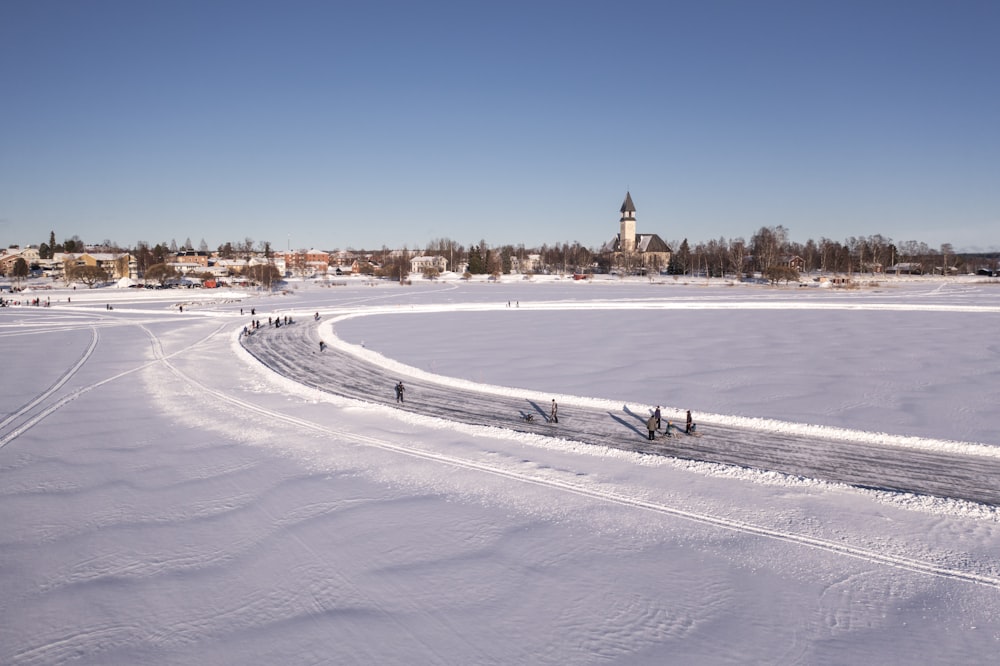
[(293, 351)]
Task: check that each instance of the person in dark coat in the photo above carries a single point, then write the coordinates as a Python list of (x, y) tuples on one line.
[(651, 427), (687, 428), (399, 392), (657, 415), (554, 412)]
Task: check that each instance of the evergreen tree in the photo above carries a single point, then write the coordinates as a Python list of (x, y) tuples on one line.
[(19, 271), (477, 263), (160, 252), (680, 261), (74, 245), (45, 250)]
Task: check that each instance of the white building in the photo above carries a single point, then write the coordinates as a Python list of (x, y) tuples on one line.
[(418, 264)]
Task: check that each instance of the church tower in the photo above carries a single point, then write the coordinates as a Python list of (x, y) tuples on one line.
[(626, 238)]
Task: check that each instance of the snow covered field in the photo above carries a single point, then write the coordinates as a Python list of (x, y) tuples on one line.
[(165, 498)]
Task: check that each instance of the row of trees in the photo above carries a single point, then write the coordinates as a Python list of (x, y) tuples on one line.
[(770, 247), (163, 274), (74, 245)]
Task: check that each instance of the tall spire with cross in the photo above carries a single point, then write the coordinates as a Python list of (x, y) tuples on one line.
[(626, 238)]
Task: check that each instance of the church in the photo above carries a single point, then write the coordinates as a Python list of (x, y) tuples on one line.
[(632, 252)]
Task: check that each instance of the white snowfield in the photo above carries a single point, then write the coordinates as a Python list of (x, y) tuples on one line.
[(168, 498)]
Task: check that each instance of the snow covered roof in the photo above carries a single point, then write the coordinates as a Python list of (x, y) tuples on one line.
[(650, 243)]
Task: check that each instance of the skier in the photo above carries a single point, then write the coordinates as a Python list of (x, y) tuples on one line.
[(687, 428), (399, 392), (657, 415), (651, 427), (554, 413), (322, 345)]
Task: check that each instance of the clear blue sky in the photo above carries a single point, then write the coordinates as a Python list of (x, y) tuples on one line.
[(362, 124)]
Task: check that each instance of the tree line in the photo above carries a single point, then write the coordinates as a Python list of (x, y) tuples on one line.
[(770, 247), (766, 249)]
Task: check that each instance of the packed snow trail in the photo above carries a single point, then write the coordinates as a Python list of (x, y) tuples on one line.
[(293, 351)]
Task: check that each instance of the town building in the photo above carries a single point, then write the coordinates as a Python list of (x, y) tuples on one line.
[(116, 264), (419, 264), (634, 252)]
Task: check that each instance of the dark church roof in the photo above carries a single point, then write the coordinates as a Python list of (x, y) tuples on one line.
[(643, 243), (628, 206)]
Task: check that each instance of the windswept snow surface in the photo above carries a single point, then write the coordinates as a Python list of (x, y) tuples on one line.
[(168, 498)]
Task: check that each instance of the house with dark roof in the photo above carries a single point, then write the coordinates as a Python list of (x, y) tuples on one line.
[(631, 251)]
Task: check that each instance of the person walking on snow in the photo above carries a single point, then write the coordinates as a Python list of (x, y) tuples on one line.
[(651, 427), (657, 415), (399, 392), (554, 413), (687, 427)]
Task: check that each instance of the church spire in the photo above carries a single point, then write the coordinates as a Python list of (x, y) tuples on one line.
[(626, 237), (628, 208)]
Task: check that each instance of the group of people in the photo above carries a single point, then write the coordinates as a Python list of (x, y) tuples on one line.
[(254, 325), (654, 421), (37, 302), (276, 322), (653, 424)]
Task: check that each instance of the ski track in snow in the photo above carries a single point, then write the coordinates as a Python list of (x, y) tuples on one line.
[(66, 376), (41, 415)]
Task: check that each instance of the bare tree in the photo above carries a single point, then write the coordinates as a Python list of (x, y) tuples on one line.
[(246, 248), (737, 255), (767, 246), (264, 275), (90, 275), (160, 273)]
